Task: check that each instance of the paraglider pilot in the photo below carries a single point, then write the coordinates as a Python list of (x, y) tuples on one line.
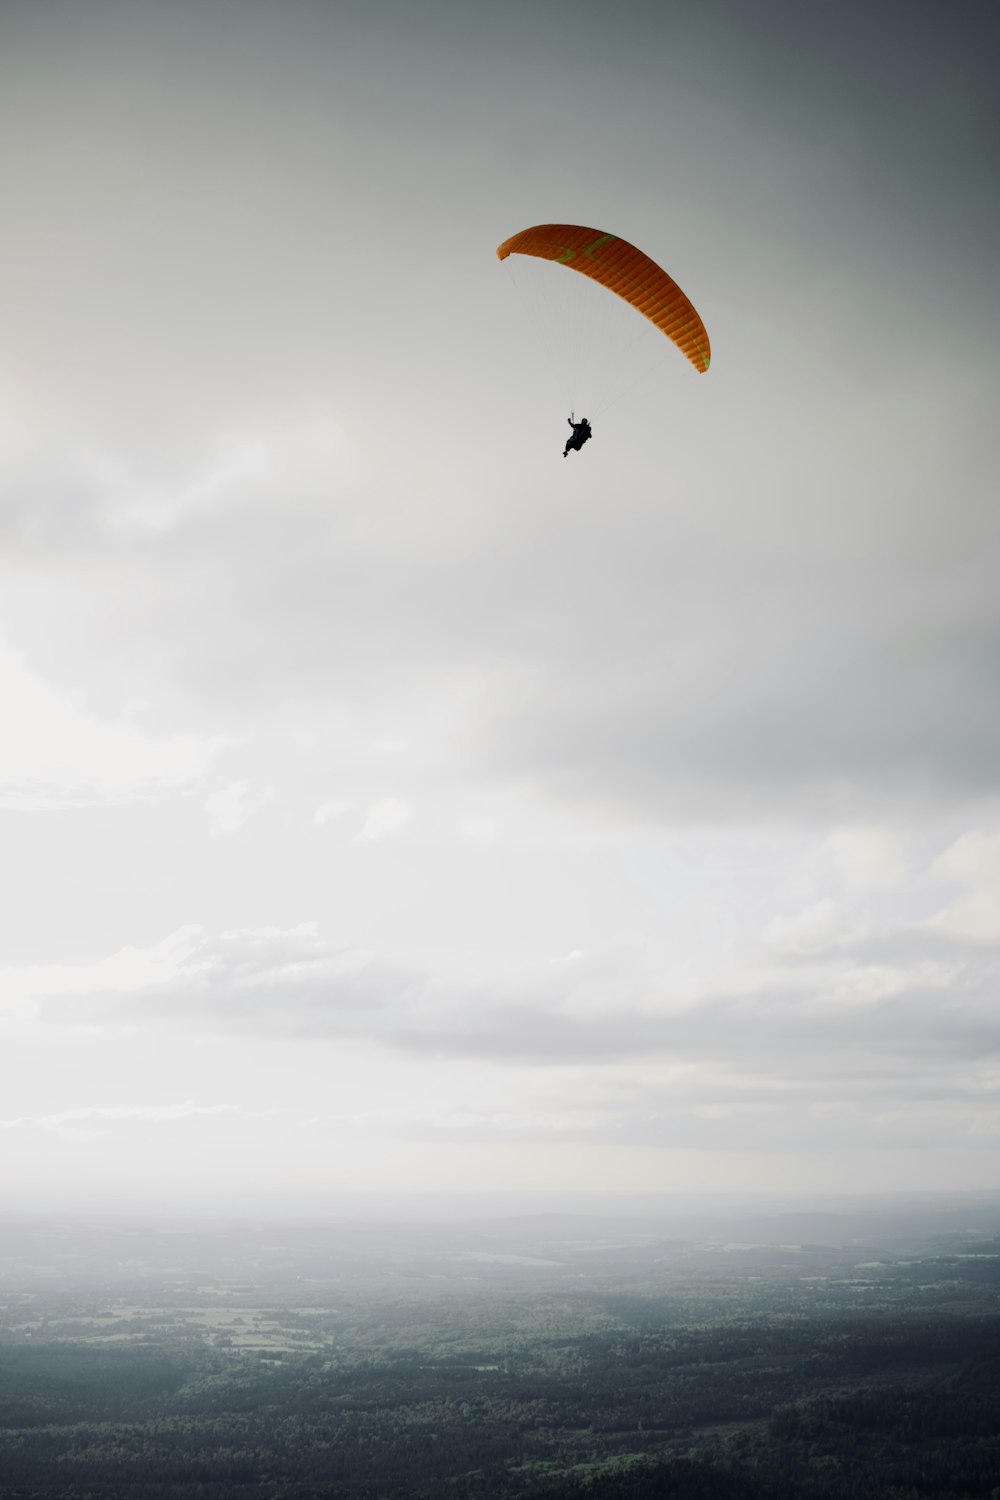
[(581, 432)]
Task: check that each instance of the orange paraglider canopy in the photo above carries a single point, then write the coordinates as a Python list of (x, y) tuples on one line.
[(624, 270)]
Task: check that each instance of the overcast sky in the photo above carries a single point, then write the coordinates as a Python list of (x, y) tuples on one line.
[(389, 805)]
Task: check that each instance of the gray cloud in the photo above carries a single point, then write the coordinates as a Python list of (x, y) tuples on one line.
[(618, 663), (830, 1022), (795, 619), (814, 1056), (280, 482)]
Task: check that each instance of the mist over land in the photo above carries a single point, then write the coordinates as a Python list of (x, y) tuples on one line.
[(478, 1240)]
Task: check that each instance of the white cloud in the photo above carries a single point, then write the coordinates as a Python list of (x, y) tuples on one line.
[(53, 755), (384, 817), (482, 830), (131, 498), (328, 812), (870, 983), (868, 857), (230, 807), (809, 931), (90, 1118), (130, 969), (973, 861), (259, 935)]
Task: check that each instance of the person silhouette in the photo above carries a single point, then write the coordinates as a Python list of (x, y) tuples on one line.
[(582, 433)]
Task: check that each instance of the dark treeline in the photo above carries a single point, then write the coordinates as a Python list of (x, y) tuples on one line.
[(607, 1419)]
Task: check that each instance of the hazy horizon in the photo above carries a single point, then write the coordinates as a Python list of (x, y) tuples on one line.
[(696, 1210)]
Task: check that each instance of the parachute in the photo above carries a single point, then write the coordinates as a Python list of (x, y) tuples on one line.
[(624, 270)]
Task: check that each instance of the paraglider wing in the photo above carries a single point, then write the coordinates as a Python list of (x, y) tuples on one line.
[(622, 269)]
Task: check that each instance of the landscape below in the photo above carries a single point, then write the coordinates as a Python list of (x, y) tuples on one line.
[(816, 1353)]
